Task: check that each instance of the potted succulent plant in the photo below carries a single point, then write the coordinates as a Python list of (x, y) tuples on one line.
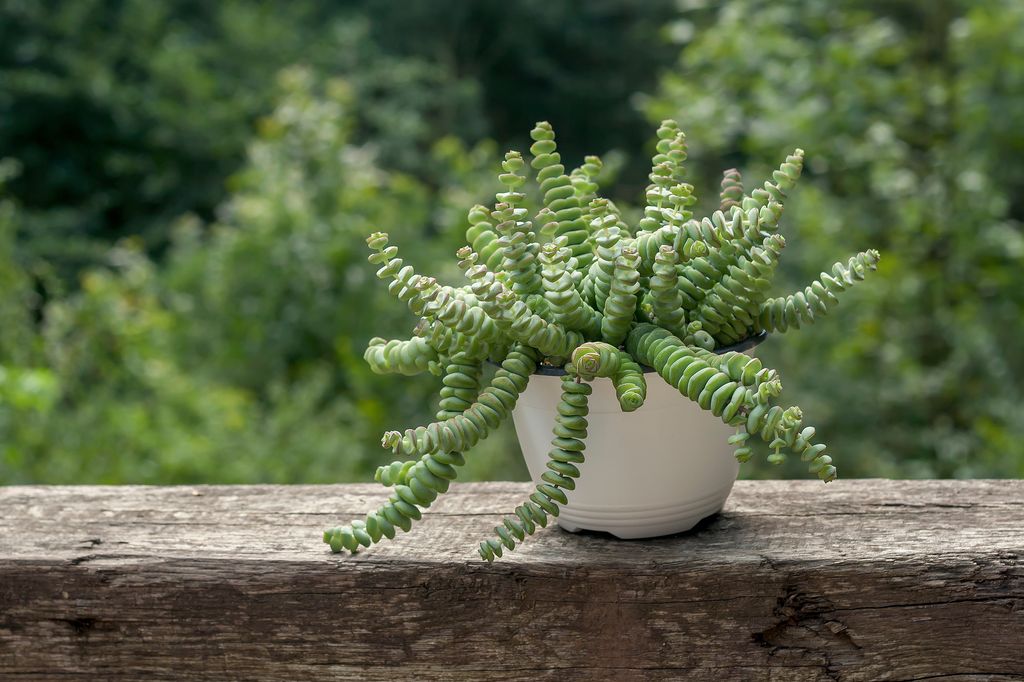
[(578, 311)]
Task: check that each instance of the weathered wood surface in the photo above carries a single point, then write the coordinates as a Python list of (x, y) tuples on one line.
[(857, 580)]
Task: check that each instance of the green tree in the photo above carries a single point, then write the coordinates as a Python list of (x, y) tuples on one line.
[(905, 110), (575, 64), (241, 358), (18, 343), (127, 114)]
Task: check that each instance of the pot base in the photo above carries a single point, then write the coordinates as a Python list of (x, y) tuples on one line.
[(634, 523)]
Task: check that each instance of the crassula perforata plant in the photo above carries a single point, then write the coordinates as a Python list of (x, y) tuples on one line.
[(574, 286)]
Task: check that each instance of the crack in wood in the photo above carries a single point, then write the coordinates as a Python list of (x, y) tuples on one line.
[(80, 626)]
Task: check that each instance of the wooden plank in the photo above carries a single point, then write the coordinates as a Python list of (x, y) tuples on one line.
[(857, 580)]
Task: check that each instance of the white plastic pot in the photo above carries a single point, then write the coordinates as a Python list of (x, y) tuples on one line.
[(656, 471)]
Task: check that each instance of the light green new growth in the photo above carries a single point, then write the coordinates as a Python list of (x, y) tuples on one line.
[(593, 299), (598, 359), (565, 304), (732, 190), (401, 356), (559, 197), (620, 306)]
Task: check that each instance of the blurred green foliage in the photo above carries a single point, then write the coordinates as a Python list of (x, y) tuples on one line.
[(184, 293), (906, 111), (240, 358), (185, 188), (125, 114)]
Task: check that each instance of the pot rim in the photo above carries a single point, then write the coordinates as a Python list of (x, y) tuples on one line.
[(745, 344)]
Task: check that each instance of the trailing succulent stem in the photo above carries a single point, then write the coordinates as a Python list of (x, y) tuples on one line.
[(563, 459), (587, 292)]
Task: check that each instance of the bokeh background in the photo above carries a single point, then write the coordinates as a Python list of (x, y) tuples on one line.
[(185, 187)]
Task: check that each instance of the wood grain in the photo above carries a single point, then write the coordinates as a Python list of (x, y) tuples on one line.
[(795, 580)]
